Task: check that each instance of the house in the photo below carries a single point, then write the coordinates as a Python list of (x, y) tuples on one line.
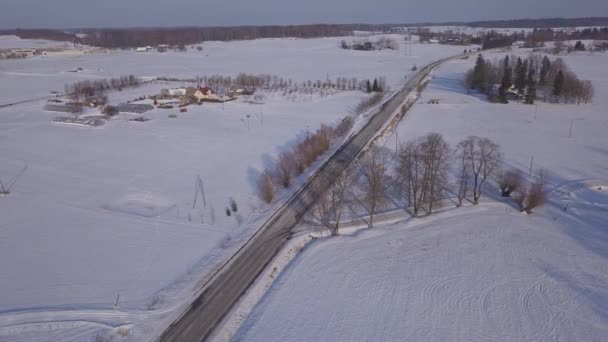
[(242, 91), (176, 92), (205, 94)]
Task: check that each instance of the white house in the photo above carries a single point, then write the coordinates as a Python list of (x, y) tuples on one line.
[(176, 92)]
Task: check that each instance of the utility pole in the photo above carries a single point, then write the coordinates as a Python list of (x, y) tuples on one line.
[(199, 188), (531, 165)]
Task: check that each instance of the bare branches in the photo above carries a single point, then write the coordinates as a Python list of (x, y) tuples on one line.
[(422, 171), (483, 157), (510, 181), (374, 170), (464, 172), (285, 168), (4, 189), (266, 190)]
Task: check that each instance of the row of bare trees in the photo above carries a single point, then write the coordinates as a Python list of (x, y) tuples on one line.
[(424, 172), (274, 82), (82, 89), (292, 163)]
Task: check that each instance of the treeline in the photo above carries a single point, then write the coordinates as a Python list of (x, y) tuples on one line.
[(47, 34), (87, 88), (126, 38), (514, 78), (422, 174), (541, 23), (540, 36), (220, 83)]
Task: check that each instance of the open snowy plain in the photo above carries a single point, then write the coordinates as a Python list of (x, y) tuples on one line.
[(98, 236), (478, 273)]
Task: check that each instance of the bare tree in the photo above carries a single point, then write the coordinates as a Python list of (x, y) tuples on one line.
[(337, 195), (510, 181), (322, 209), (435, 151), (4, 189), (285, 168), (483, 156), (374, 170), (266, 189), (536, 197), (410, 174), (464, 172)]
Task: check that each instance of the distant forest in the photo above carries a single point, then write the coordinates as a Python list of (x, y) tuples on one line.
[(181, 36), (541, 23)]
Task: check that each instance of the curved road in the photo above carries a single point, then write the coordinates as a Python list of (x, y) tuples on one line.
[(226, 286)]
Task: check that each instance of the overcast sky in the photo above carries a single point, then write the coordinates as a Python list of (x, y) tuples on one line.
[(121, 13)]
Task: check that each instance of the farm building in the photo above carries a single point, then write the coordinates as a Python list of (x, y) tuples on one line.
[(205, 93)]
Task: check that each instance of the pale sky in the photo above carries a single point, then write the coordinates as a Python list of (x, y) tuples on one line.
[(124, 13)]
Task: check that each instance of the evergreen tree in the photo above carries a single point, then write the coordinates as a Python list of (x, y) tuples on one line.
[(507, 80), (579, 46), (558, 85), (520, 76), (368, 86), (479, 74), (375, 87), (546, 65), (531, 84)]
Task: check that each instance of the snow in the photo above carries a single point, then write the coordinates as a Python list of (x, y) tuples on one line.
[(478, 273), (489, 275), (297, 59), (97, 213), (14, 42)]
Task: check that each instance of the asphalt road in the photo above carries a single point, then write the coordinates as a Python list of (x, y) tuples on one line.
[(225, 287)]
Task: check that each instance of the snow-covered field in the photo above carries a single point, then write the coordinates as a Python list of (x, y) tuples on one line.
[(296, 59), (99, 230), (486, 273), (14, 42)]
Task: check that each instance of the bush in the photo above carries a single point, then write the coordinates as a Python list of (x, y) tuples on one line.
[(266, 189), (285, 168), (110, 110), (536, 197), (510, 182)]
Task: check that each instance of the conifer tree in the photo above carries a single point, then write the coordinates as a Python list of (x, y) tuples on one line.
[(531, 85), (546, 65), (558, 85), (375, 87), (507, 80), (520, 76), (479, 74)]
